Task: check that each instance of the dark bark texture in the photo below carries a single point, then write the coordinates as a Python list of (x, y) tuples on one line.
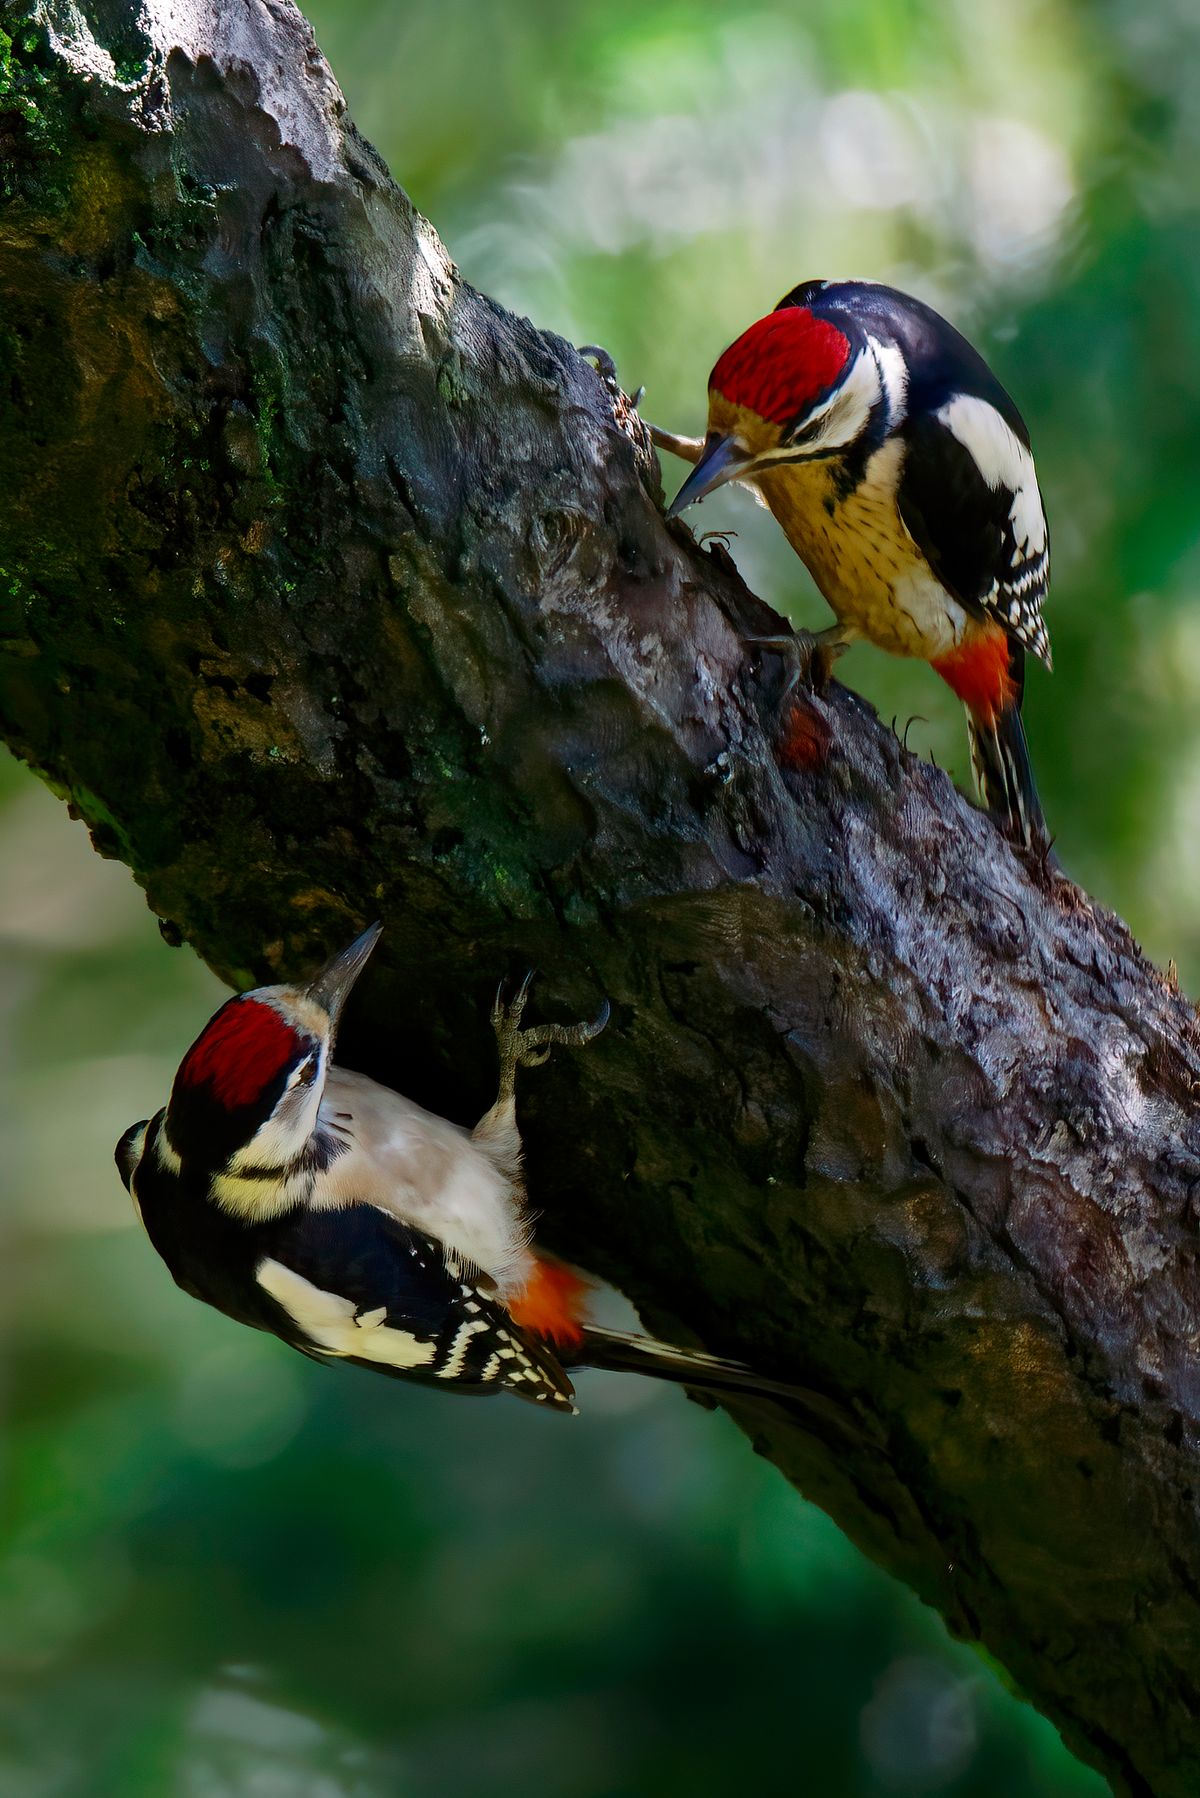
[(331, 591)]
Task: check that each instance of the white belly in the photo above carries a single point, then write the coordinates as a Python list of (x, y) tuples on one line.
[(426, 1172)]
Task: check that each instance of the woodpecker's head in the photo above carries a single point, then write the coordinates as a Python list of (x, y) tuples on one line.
[(247, 1092), (796, 387)]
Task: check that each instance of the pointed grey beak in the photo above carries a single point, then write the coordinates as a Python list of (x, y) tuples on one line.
[(333, 983), (722, 459)]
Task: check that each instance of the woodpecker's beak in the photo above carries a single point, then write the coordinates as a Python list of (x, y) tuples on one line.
[(333, 983), (722, 459)]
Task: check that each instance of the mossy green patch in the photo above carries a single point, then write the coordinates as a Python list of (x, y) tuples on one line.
[(266, 430), (32, 114), (108, 833)]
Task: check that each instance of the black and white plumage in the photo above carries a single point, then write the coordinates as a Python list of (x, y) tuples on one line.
[(902, 474), (347, 1283), (306, 1200)]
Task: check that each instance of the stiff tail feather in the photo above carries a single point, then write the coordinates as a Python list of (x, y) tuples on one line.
[(987, 672), (1004, 774), (616, 1352)]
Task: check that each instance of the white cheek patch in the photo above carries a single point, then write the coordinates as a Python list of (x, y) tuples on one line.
[(843, 416), (893, 379), (164, 1154), (328, 1321), (283, 1137), (853, 404)]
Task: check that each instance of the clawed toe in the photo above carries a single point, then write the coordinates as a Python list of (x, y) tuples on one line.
[(606, 368), (810, 656), (506, 1014), (534, 1045), (532, 1048)]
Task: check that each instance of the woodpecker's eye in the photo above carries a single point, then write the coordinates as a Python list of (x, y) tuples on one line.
[(806, 433)]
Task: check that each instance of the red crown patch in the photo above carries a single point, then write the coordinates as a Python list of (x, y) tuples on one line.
[(241, 1052), (781, 364)]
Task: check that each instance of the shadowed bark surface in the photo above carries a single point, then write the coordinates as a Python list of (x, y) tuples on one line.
[(329, 590)]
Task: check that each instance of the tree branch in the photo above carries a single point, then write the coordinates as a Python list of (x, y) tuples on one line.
[(331, 590)]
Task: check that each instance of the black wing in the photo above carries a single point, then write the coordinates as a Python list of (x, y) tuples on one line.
[(988, 545), (357, 1285)]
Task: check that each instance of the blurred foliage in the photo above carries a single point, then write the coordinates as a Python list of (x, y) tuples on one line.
[(225, 1573)]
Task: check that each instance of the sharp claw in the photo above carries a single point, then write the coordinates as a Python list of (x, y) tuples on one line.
[(577, 1034), (810, 653), (605, 365), (530, 1048), (506, 1014)]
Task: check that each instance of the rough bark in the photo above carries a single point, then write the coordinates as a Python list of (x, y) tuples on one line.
[(330, 590)]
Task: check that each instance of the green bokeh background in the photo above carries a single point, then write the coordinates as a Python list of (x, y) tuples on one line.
[(225, 1573)]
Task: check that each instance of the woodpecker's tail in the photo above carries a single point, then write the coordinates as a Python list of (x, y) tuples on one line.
[(1000, 757), (618, 1353), (1004, 774), (987, 671)]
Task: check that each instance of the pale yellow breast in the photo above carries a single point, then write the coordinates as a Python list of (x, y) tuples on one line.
[(862, 558)]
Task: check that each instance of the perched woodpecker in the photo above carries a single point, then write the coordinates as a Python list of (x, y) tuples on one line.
[(310, 1201), (901, 473)]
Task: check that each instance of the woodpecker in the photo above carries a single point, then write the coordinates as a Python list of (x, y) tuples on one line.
[(902, 475), (312, 1202)]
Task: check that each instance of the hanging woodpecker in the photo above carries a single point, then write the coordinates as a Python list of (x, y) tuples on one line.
[(901, 473), (310, 1201)]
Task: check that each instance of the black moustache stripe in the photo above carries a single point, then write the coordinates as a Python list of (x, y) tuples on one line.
[(801, 455), (314, 1158), (281, 1173)]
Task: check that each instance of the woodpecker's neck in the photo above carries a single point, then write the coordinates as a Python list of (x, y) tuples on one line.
[(274, 1172), (257, 1190)]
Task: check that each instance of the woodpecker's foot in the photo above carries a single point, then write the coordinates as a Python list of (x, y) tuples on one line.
[(519, 1048), (625, 411), (808, 655), (606, 368), (688, 449)]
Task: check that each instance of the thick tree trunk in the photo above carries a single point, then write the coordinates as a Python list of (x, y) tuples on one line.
[(330, 590)]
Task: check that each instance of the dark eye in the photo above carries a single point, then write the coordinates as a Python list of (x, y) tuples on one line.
[(805, 433), (308, 1071)]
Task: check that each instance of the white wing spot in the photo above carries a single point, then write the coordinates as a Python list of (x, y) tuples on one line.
[(328, 1321)]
